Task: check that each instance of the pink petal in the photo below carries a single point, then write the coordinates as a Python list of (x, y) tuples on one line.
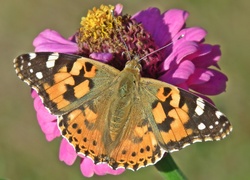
[(208, 81), (67, 153), (186, 35), (200, 76), (104, 168), (118, 9), (150, 18), (184, 86), (179, 75), (202, 50), (161, 27), (103, 57), (175, 20), (185, 69), (52, 41), (191, 34), (88, 168), (181, 50), (208, 59), (50, 129), (46, 121)]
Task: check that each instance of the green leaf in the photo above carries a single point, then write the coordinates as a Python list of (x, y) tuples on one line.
[(168, 169)]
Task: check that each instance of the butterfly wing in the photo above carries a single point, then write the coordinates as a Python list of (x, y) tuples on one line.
[(179, 118), (89, 130), (63, 81), (158, 117)]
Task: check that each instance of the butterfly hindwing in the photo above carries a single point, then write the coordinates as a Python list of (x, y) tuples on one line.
[(63, 80), (111, 129), (138, 146), (180, 118)]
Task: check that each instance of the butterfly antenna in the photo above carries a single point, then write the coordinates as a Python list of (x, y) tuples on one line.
[(163, 47), (120, 35)]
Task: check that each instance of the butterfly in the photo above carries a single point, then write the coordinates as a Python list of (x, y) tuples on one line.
[(118, 117)]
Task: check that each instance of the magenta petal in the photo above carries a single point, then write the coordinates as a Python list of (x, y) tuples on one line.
[(175, 20), (185, 69), (104, 168), (208, 81), (52, 41), (161, 27), (180, 75), (50, 129), (118, 9), (67, 153), (209, 59), (182, 50), (88, 168), (103, 57), (191, 34), (46, 121), (150, 18), (202, 50)]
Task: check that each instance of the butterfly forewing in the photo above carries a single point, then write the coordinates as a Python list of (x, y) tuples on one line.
[(180, 118), (63, 81)]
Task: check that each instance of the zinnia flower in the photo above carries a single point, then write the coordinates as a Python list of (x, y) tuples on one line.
[(186, 62)]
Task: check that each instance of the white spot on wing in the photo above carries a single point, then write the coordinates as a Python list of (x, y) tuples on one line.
[(29, 63), (196, 140), (185, 145), (211, 127), (32, 55), (26, 81), (221, 130), (50, 64), (217, 138), (39, 75), (199, 110), (201, 126), (200, 102), (223, 135), (53, 56), (51, 60), (219, 114), (200, 106), (208, 139), (31, 71)]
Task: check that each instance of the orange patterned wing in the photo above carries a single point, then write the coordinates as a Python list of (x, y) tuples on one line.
[(179, 118), (116, 117), (90, 131), (138, 146), (63, 81)]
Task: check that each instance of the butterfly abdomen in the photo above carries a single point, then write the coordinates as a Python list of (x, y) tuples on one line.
[(125, 92)]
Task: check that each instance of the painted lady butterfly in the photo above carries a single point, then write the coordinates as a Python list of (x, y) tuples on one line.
[(115, 116)]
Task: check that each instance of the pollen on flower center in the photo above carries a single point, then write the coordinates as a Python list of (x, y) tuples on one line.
[(98, 24), (98, 31), (104, 32)]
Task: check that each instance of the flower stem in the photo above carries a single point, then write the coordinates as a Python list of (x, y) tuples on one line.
[(168, 169)]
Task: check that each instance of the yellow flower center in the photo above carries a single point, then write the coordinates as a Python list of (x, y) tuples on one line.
[(99, 24), (103, 32)]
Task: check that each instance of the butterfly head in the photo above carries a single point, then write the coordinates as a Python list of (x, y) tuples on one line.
[(133, 65)]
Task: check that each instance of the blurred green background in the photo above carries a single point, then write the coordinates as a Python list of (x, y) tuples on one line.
[(24, 151)]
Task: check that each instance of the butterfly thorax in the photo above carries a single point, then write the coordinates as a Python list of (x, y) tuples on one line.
[(133, 65)]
